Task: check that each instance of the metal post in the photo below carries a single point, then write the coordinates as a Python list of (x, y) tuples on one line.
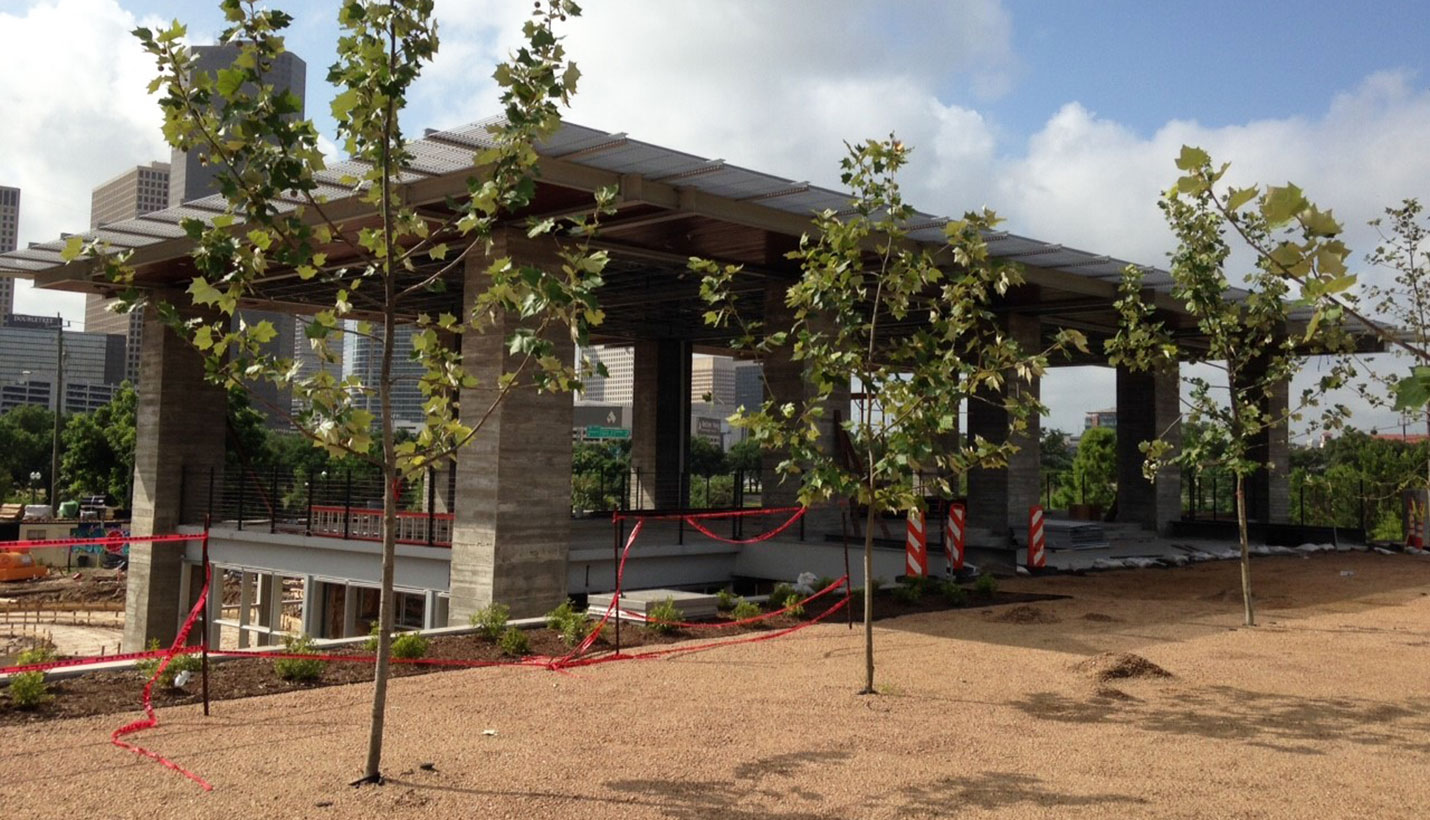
[(308, 521), (204, 612), (241, 482), (619, 528), (348, 505), (848, 581), (273, 502), (431, 505)]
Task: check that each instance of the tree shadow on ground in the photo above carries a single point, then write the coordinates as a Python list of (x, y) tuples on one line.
[(1000, 790), (1285, 723), (761, 790)]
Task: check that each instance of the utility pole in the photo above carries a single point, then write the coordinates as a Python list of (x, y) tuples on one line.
[(59, 411)]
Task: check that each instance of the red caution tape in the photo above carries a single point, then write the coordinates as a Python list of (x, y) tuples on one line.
[(150, 720)]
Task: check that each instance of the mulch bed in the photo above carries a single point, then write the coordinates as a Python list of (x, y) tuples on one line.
[(116, 692)]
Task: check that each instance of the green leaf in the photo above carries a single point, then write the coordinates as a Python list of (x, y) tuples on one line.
[(229, 81), (74, 246), (1281, 203), (1413, 391), (1192, 158)]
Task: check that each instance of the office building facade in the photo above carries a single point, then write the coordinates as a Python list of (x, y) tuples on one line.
[(9, 241)]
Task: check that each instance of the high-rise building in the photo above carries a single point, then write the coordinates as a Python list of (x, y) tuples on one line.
[(138, 191), (9, 240), (615, 386), (29, 365), (749, 385), (191, 175), (308, 361), (712, 380), (365, 361)]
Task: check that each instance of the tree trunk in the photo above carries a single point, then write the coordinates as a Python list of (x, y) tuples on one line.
[(868, 603), (1245, 549)]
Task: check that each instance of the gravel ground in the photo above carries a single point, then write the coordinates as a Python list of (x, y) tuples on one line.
[(1321, 711)]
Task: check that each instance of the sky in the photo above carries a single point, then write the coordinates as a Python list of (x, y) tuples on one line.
[(1064, 117)]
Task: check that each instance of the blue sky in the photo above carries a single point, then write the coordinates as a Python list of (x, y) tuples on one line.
[(1063, 116)]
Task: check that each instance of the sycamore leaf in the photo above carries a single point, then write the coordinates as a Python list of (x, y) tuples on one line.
[(1413, 392)]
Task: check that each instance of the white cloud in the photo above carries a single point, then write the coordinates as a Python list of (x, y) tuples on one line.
[(79, 115)]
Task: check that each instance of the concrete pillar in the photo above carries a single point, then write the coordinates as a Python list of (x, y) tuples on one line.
[(312, 614), (999, 498), (1268, 492), (787, 383), (511, 532), (179, 427), (660, 424), (1148, 407)]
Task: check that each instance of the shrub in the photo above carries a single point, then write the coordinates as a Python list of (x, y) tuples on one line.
[(660, 616), (986, 586), (372, 635), (879, 585), (823, 583), (40, 653), (744, 610), (779, 596), (514, 642), (28, 690), (953, 594), (726, 599), (908, 593), (570, 624), (793, 607), (300, 670), (410, 645), (918, 583), (490, 620), (185, 662)]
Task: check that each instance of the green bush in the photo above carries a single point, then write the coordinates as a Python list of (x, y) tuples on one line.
[(660, 616), (28, 690), (953, 594), (372, 635), (410, 645), (514, 642), (570, 624), (300, 670), (744, 610), (908, 593), (879, 585), (780, 595), (490, 620), (185, 662), (726, 599), (823, 583), (35, 654), (986, 586)]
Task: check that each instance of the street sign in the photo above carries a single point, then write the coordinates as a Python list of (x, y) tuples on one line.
[(592, 431)]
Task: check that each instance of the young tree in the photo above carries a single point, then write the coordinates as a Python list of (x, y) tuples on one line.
[(1094, 471), (912, 326), (1252, 339), (379, 267), (99, 449)]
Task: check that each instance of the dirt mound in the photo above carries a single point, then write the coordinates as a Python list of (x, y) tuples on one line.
[(1111, 693), (1100, 618), (1024, 614), (1120, 665)]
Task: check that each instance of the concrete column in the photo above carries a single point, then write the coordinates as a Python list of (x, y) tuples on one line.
[(1268, 492), (999, 498), (312, 614), (511, 532), (179, 426), (787, 383), (1148, 407), (660, 424)]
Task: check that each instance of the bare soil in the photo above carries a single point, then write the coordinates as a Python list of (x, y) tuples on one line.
[(1321, 711)]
